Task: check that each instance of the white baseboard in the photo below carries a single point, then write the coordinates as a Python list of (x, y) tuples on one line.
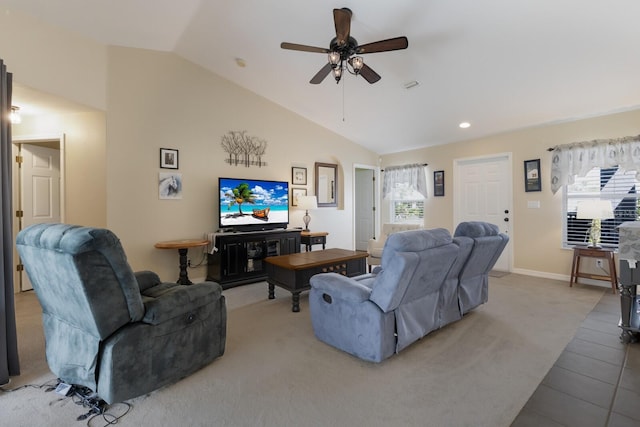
[(564, 277)]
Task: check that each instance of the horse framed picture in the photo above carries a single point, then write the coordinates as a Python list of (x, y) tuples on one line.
[(170, 185)]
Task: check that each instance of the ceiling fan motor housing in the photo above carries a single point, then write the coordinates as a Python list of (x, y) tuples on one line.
[(346, 50)]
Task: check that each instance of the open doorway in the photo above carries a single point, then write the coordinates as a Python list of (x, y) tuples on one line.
[(38, 190), (365, 196)]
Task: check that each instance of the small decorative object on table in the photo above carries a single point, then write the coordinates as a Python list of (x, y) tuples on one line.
[(306, 203)]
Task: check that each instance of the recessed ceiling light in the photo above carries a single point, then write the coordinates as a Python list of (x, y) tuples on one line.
[(464, 125), (241, 62)]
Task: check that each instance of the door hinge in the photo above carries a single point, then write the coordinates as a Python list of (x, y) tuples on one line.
[(19, 214), (19, 160), (20, 267)]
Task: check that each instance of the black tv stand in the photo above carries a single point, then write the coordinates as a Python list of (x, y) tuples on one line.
[(238, 258)]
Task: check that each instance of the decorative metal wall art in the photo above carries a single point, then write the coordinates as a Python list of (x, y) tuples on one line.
[(243, 149)]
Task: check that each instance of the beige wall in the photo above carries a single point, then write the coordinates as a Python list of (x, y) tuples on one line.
[(157, 100), (148, 100), (54, 61), (536, 233), (84, 161)]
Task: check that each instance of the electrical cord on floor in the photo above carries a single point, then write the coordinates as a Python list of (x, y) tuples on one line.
[(48, 386), (84, 397)]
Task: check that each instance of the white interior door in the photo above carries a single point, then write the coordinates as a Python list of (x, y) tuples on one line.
[(40, 189), (483, 193), (364, 204)]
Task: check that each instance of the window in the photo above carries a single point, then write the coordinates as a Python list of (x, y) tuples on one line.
[(407, 205), (617, 186)]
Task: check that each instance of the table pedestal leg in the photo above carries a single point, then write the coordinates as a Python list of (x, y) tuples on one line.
[(184, 277)]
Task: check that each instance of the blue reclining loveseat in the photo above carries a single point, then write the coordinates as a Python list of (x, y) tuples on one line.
[(426, 280)]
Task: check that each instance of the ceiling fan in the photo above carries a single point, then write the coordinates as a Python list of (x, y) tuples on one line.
[(344, 50)]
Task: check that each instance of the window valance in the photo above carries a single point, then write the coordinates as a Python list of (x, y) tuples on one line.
[(412, 174), (579, 158)]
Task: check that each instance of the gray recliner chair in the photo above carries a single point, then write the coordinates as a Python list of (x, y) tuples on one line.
[(121, 334)]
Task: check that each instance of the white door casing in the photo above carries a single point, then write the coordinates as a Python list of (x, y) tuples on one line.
[(364, 205), (483, 192), (38, 188)]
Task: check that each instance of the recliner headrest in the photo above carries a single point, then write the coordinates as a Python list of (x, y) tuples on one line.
[(418, 240), (476, 229)]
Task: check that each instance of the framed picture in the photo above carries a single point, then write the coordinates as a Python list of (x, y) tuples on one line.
[(298, 176), (168, 158), (295, 193), (532, 181), (438, 183), (169, 185)]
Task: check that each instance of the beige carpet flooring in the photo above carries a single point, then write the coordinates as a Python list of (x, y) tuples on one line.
[(479, 371)]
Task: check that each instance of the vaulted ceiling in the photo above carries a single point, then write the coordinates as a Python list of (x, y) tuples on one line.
[(500, 65)]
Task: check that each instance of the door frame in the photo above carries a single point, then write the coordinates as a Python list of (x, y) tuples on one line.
[(376, 200), (458, 196), (54, 140)]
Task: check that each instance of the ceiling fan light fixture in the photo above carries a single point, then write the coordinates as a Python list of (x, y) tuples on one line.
[(334, 59), (357, 63), (337, 74)]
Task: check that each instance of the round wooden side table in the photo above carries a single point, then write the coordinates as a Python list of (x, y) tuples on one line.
[(183, 247)]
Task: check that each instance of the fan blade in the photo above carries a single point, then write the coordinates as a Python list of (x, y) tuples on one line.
[(369, 75), (383, 45), (320, 75), (304, 48), (342, 20)]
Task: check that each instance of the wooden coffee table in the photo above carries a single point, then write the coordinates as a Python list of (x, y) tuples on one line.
[(292, 272)]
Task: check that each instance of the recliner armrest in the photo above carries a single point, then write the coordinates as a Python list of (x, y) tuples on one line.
[(146, 279), (340, 287), (180, 300)]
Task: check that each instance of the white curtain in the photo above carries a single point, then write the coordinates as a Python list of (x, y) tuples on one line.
[(412, 174), (579, 158)]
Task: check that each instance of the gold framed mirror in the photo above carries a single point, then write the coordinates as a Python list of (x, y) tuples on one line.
[(326, 184)]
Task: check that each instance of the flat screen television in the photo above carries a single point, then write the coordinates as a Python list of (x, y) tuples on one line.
[(253, 204)]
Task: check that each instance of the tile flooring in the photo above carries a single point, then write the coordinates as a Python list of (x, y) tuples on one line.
[(596, 380)]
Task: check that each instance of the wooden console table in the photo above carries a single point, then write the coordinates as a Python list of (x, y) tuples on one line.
[(183, 247), (590, 252), (310, 238), (293, 272)]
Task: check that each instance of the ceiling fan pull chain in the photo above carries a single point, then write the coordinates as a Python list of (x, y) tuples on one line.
[(343, 84)]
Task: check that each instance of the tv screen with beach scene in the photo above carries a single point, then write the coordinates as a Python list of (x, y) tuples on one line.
[(253, 204)]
